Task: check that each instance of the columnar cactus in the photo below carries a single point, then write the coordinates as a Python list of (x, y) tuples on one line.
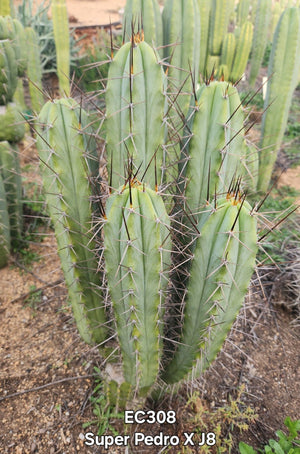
[(283, 73), (8, 71), (212, 155), (242, 52), (181, 21), (204, 9), (228, 50), (62, 43), (137, 257), (143, 14), (10, 171), (135, 106), (68, 167), (242, 11), (260, 37), (221, 269), (4, 226), (34, 70), (220, 12)]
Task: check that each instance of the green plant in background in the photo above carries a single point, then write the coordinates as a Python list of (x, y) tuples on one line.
[(204, 10), (242, 52), (35, 14), (286, 444), (143, 14), (181, 25), (6, 7), (283, 75), (62, 44), (260, 37), (34, 71), (219, 20)]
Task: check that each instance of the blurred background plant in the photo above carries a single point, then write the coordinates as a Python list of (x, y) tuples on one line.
[(35, 14)]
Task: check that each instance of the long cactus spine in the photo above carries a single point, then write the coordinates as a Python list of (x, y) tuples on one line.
[(66, 173), (222, 266), (137, 259), (135, 105)]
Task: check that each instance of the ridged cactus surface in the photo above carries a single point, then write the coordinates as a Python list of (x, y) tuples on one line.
[(212, 155), (242, 52), (260, 37), (182, 34), (283, 73), (67, 167), (4, 226), (62, 43), (34, 70), (219, 20), (10, 171), (12, 126), (135, 106), (222, 266), (8, 71), (137, 258), (143, 14)]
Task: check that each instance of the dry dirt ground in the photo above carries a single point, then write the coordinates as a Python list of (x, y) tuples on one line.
[(46, 371)]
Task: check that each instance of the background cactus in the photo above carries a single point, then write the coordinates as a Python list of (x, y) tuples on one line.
[(242, 52), (260, 37), (228, 51), (283, 72), (4, 226), (181, 22), (62, 43), (143, 14), (10, 171), (219, 20), (204, 10), (34, 71), (8, 72)]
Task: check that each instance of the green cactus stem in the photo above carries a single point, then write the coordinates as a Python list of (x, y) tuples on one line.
[(6, 8), (212, 155), (8, 72), (135, 106), (19, 44), (222, 266), (283, 72), (143, 14), (243, 12), (260, 37), (137, 257), (34, 71), (4, 226), (228, 51), (12, 126), (62, 43), (181, 21), (63, 143), (242, 53), (219, 20), (10, 171), (204, 9)]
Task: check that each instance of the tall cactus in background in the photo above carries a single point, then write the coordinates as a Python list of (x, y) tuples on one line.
[(181, 21), (143, 14), (283, 75), (260, 37), (34, 71), (212, 155), (69, 163), (62, 43), (242, 52), (219, 20), (135, 106), (222, 266), (204, 9), (242, 12), (228, 50), (137, 257)]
